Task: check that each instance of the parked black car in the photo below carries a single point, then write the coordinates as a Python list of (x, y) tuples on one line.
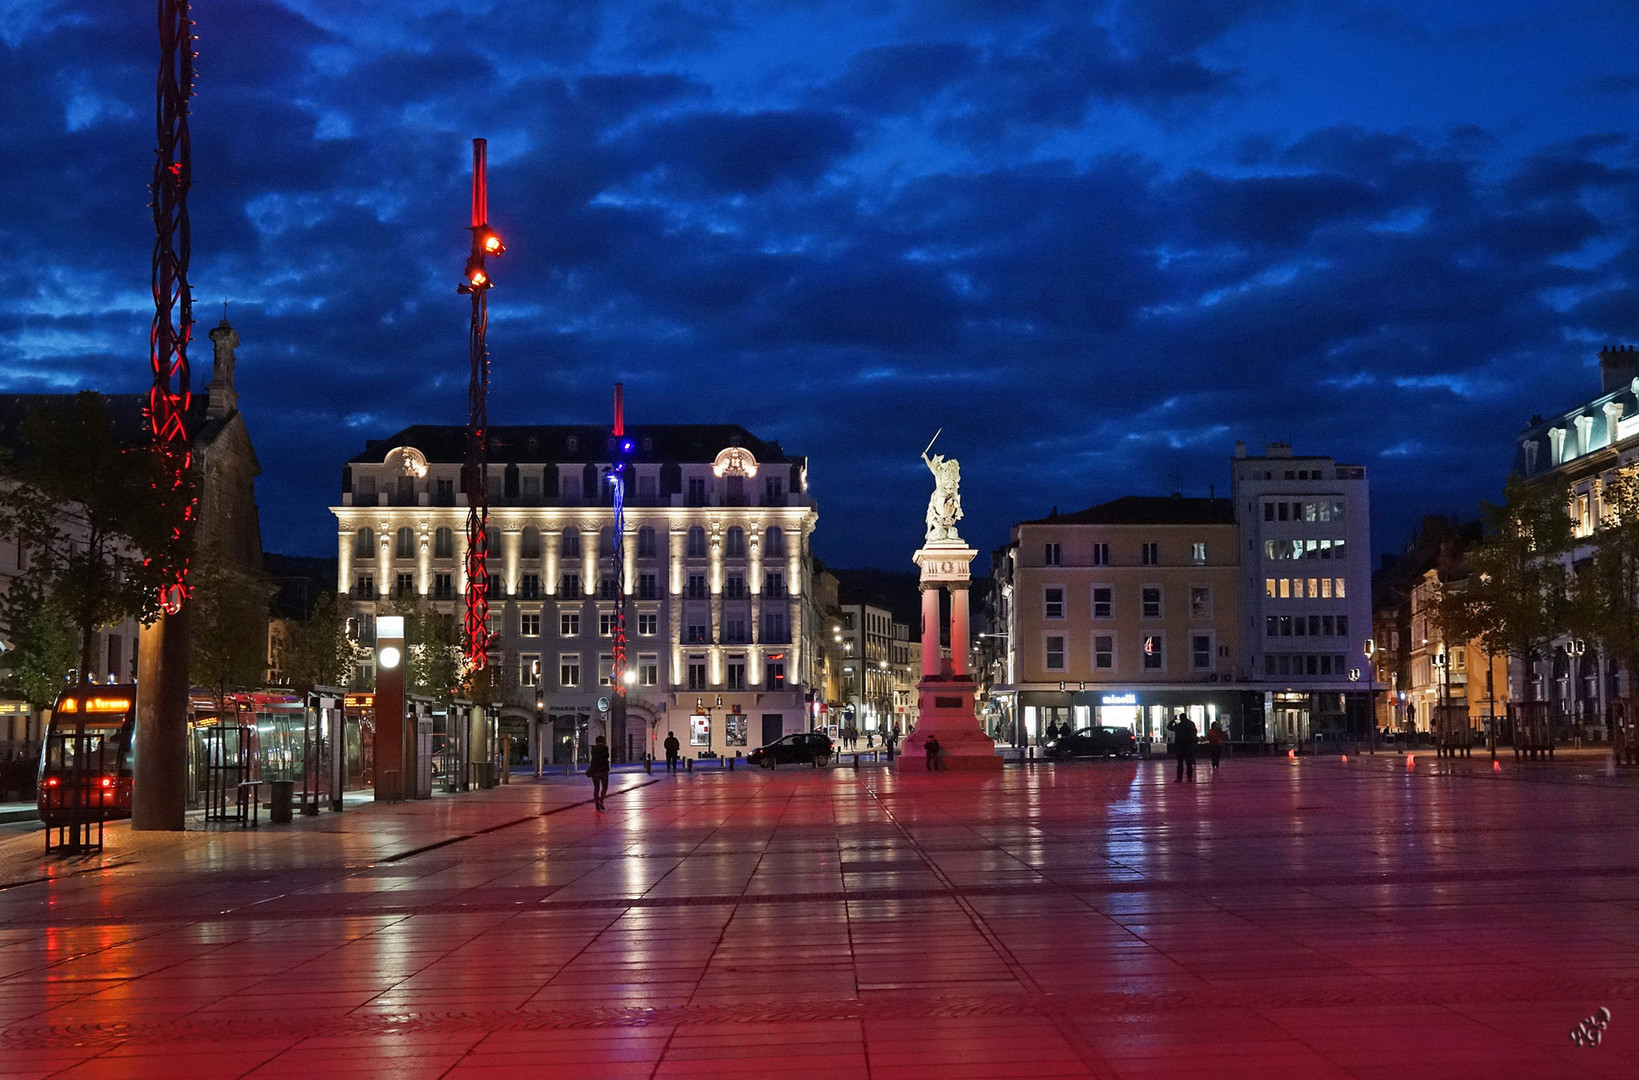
[(801, 748), (1094, 742)]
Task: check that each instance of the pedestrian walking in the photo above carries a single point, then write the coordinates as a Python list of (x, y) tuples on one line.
[(931, 748), (1215, 743), (672, 747), (598, 771), (1183, 745)]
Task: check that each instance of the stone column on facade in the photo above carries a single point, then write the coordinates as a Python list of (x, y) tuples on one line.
[(930, 631), (591, 558), (423, 559), (551, 544), (384, 557), (959, 630), (346, 537)]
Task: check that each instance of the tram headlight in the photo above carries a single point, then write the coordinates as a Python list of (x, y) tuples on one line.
[(388, 657)]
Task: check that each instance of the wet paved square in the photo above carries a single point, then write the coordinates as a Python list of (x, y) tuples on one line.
[(1317, 918)]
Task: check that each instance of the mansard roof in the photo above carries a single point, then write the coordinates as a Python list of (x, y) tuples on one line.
[(551, 443), (1148, 510)]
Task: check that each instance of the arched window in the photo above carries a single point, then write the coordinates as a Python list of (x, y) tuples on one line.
[(734, 542), (404, 544), (443, 544), (569, 547), (696, 543), (530, 543), (364, 543), (774, 542)]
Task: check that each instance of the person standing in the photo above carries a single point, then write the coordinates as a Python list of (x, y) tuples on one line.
[(1215, 743), (598, 771), (892, 739), (672, 747), (931, 748), (1183, 744)]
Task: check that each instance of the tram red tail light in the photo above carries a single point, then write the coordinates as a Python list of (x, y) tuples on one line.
[(51, 781), (108, 781)]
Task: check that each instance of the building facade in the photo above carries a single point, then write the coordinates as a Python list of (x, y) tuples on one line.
[(1582, 446), (720, 633), (1253, 611), (1305, 524), (1123, 614)]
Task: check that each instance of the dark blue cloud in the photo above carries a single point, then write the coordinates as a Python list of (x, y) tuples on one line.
[(1096, 243)]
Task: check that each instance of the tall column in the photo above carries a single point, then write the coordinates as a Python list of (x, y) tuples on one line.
[(958, 630), (930, 632)]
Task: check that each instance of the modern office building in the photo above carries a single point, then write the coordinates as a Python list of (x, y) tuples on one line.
[(1305, 525), (716, 576)]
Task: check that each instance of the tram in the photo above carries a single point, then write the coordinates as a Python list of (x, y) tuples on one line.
[(88, 753)]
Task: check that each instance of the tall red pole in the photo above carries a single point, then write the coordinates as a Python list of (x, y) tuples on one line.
[(159, 791), (475, 472)]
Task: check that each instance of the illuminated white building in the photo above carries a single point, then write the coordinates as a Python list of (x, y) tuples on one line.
[(717, 571)]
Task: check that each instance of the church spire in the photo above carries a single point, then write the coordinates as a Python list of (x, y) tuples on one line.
[(223, 398)]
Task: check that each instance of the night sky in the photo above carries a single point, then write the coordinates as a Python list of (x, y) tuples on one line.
[(1096, 242)]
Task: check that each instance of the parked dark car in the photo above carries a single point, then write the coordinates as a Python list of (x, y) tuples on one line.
[(1094, 742), (801, 748)]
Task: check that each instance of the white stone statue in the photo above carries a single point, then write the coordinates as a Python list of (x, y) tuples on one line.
[(945, 504)]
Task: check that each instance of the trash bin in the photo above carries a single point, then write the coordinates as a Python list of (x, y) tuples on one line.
[(279, 808)]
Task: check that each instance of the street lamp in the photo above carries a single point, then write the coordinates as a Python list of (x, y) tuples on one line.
[(1574, 649), (1371, 691)]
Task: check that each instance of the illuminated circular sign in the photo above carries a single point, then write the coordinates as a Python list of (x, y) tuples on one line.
[(388, 657)]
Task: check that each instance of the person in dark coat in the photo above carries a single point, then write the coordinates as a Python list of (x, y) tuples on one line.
[(1215, 743), (672, 747), (598, 771), (931, 748), (1183, 745)]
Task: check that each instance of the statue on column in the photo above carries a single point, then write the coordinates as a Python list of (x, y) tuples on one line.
[(945, 504)]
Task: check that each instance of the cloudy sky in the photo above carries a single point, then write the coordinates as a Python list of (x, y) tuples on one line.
[(1096, 241)]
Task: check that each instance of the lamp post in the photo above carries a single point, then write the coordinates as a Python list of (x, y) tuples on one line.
[(1574, 649), (1371, 692)]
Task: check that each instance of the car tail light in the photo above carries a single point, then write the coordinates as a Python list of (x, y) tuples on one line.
[(51, 781)]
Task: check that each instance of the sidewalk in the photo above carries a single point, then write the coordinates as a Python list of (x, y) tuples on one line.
[(1286, 919)]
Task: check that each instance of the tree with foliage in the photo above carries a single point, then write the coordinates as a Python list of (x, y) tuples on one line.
[(436, 664), (230, 613), (43, 646), (1516, 598), (318, 651), (96, 517), (1605, 594)]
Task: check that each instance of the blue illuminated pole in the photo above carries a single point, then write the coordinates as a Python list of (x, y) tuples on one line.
[(621, 447)]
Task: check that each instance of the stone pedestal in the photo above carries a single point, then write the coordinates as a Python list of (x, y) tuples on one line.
[(945, 694)]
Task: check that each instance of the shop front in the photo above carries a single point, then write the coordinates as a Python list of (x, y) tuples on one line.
[(1145, 711)]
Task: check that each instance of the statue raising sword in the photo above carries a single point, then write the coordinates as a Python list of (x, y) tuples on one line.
[(945, 504)]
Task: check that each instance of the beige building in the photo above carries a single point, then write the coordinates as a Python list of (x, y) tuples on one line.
[(1124, 614), (1449, 672)]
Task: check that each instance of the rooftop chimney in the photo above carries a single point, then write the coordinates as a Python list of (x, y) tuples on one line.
[(1618, 366)]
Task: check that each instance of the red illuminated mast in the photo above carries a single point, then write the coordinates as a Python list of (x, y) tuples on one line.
[(169, 398), (475, 471)]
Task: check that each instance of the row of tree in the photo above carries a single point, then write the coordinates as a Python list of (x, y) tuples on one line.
[(1533, 581)]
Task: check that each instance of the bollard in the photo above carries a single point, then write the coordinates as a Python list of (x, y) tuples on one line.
[(731, 763), (648, 764), (691, 764), (856, 762)]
